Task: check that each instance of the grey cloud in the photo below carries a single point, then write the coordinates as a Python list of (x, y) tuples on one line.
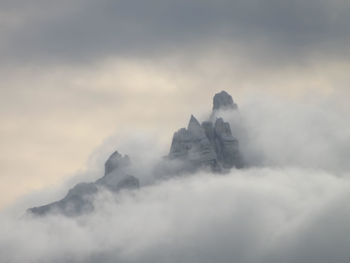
[(290, 207), (283, 133), (85, 30), (256, 215)]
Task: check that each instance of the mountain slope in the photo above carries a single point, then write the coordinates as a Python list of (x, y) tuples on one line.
[(209, 144)]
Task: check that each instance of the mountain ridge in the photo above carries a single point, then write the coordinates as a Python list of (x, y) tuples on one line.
[(206, 145)]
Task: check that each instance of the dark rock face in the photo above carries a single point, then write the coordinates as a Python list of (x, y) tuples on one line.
[(226, 145), (192, 145), (115, 161), (223, 101), (117, 174), (79, 199), (208, 144), (128, 182)]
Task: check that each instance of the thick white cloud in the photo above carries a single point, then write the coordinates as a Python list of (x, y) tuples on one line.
[(291, 206), (253, 215), (83, 31), (309, 132), (72, 72)]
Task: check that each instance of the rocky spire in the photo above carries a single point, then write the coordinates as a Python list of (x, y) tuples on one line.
[(226, 146), (116, 160), (193, 123), (209, 144), (79, 199), (195, 128), (223, 101)]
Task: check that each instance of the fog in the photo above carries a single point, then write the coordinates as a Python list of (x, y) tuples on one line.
[(73, 72), (310, 132), (256, 215), (290, 204)]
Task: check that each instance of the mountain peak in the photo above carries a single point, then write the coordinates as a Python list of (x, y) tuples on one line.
[(210, 145), (116, 160), (223, 101), (193, 123)]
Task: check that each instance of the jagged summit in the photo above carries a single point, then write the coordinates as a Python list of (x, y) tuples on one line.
[(210, 143), (195, 128), (201, 145), (223, 101), (79, 199), (207, 144), (115, 161), (192, 145), (193, 123), (117, 173)]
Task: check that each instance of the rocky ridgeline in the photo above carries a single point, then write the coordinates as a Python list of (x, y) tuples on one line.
[(223, 101), (209, 144), (79, 198), (200, 146)]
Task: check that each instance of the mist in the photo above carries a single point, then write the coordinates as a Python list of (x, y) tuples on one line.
[(81, 79), (309, 132), (288, 205), (256, 215)]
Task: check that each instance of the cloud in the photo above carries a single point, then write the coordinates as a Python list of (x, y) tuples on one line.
[(290, 206), (83, 31), (304, 133), (58, 116), (253, 215), (82, 67)]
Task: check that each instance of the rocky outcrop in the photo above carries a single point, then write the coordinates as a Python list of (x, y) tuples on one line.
[(223, 101), (192, 145), (209, 144), (206, 145), (226, 146), (116, 161), (79, 199), (117, 174)]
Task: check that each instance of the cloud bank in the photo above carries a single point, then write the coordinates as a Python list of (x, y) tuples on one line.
[(82, 66), (88, 30), (74, 71), (256, 215), (290, 205)]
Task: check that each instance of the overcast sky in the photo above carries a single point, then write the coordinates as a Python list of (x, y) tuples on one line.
[(76, 72), (80, 79)]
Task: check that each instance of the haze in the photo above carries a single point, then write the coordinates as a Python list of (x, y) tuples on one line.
[(82, 78)]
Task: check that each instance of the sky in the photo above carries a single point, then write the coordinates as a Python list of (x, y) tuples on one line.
[(74, 73), (82, 78)]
